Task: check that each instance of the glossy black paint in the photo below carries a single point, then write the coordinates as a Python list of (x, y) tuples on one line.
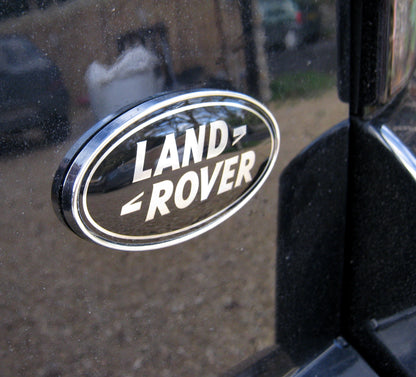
[(58, 314), (346, 263), (346, 259), (381, 262), (311, 236), (379, 289), (343, 50), (397, 335), (369, 54)]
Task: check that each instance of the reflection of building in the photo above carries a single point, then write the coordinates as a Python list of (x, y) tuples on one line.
[(68, 33)]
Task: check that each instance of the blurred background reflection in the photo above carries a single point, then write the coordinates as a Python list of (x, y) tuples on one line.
[(68, 307)]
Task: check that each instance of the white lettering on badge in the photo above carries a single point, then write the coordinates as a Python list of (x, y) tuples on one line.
[(196, 184)]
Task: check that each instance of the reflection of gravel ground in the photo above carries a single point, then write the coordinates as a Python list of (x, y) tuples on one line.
[(70, 308)]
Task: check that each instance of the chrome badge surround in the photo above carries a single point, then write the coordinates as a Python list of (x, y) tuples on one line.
[(79, 189)]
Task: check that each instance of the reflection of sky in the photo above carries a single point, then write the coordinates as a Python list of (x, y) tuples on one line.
[(337, 361), (400, 339)]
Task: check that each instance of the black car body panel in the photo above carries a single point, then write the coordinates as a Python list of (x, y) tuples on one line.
[(337, 299)]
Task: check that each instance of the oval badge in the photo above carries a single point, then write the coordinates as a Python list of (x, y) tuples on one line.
[(166, 170)]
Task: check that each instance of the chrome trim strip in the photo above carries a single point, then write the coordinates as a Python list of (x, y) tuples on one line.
[(403, 154)]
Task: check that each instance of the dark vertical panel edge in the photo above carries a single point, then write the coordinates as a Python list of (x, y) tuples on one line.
[(312, 206)]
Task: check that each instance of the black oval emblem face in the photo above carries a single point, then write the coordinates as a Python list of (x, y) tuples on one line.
[(167, 169)]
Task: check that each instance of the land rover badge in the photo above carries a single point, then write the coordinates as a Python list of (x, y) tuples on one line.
[(166, 170)]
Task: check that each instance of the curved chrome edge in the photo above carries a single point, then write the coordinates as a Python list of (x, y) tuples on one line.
[(79, 164), (403, 154)]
